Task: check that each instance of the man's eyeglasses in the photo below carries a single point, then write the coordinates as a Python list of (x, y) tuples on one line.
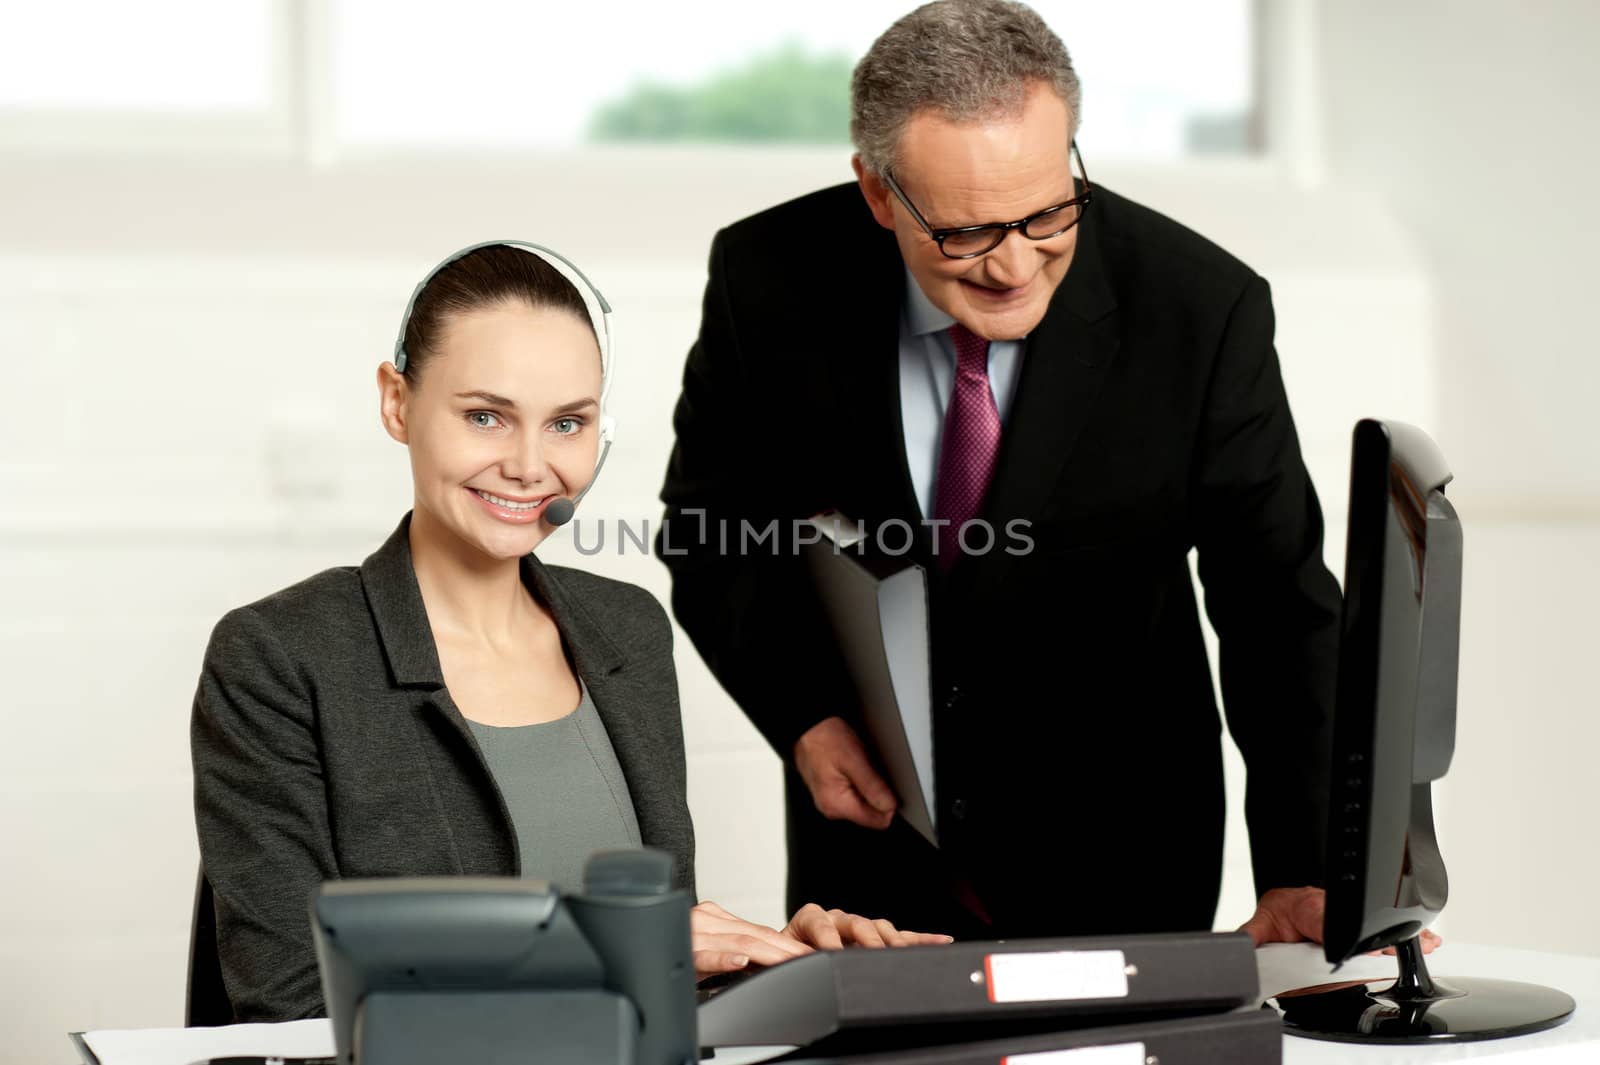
[(969, 242)]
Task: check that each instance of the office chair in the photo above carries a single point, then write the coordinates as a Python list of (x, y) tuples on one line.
[(207, 1005)]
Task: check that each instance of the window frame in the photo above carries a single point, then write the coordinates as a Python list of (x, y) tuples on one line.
[(277, 131)]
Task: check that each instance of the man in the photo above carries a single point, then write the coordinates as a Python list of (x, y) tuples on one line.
[(1094, 385)]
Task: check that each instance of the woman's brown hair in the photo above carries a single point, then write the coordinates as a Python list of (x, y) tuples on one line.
[(487, 276)]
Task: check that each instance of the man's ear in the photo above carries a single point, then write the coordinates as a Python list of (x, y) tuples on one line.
[(394, 394), (875, 192)]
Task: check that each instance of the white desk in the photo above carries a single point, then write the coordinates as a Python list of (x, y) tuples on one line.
[(1577, 1042)]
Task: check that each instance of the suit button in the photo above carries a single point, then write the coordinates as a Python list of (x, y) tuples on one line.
[(958, 809), (953, 698)]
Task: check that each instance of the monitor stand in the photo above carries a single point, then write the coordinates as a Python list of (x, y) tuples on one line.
[(1419, 1009)]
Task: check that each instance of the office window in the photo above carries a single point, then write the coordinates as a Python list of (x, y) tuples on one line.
[(1163, 79), (153, 55)]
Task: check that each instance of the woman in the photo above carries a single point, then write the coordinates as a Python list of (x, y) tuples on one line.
[(453, 705)]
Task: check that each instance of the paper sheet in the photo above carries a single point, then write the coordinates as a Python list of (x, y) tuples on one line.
[(181, 1046), (880, 619), (292, 1039)]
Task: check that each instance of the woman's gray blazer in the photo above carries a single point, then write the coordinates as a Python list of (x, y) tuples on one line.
[(326, 746)]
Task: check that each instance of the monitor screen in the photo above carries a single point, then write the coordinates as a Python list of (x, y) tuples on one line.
[(1393, 736), (1394, 726)]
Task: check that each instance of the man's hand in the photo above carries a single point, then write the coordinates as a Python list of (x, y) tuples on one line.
[(1287, 915), (1294, 915), (843, 784)]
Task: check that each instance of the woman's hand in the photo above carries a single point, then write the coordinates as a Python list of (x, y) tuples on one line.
[(724, 943), (834, 929)]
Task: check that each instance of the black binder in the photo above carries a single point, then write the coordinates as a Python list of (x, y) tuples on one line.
[(1248, 1037), (855, 1000)]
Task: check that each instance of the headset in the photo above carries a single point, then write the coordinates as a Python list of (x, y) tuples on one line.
[(559, 511)]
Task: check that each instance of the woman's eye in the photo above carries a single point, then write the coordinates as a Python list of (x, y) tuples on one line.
[(482, 419), (567, 426)]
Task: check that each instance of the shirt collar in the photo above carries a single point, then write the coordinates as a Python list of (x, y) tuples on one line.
[(922, 317)]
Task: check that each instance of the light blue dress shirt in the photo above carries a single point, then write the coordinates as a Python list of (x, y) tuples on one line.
[(927, 373)]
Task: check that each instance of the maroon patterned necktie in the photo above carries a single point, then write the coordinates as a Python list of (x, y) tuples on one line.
[(969, 443)]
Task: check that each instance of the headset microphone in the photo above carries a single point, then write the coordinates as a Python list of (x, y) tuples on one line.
[(561, 509)]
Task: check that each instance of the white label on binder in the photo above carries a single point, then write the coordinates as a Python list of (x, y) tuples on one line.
[(1116, 1054), (1049, 976)]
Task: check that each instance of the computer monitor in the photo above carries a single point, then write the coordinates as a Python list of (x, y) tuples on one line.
[(1393, 736)]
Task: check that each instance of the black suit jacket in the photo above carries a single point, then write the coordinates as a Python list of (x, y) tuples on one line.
[(326, 746), (1078, 767)]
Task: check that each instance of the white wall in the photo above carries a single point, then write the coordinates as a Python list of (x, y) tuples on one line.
[(1474, 122), (195, 426), (189, 423)]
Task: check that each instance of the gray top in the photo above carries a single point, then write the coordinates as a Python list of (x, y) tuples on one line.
[(565, 791)]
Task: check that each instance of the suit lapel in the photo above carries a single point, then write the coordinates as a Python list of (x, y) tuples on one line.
[(1065, 364), (864, 378), (593, 652), (389, 580)]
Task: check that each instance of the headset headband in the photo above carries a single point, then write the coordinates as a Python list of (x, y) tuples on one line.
[(594, 305)]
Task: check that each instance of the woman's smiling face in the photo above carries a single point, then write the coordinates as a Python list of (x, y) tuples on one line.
[(504, 419)]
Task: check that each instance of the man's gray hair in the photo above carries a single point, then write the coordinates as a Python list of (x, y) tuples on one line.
[(971, 60)]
